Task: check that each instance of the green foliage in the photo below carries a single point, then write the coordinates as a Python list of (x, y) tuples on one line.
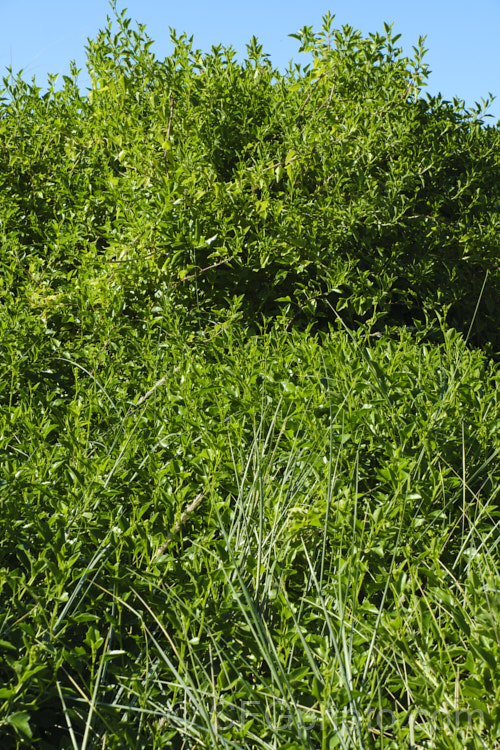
[(236, 512), (337, 184), (349, 489)]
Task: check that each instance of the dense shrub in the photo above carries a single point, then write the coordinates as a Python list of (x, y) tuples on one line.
[(337, 186), (227, 523)]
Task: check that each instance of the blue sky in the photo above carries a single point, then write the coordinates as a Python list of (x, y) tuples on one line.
[(462, 37)]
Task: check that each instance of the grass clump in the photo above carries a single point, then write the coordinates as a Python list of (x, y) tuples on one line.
[(229, 521), (338, 567)]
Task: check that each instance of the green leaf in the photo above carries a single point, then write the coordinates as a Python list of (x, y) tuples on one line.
[(20, 722), (6, 646)]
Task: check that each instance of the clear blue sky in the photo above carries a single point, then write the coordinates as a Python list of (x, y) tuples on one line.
[(462, 36)]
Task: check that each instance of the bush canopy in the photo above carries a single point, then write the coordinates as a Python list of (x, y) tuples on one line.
[(333, 189)]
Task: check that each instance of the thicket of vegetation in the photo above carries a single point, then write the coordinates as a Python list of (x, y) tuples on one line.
[(249, 410)]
